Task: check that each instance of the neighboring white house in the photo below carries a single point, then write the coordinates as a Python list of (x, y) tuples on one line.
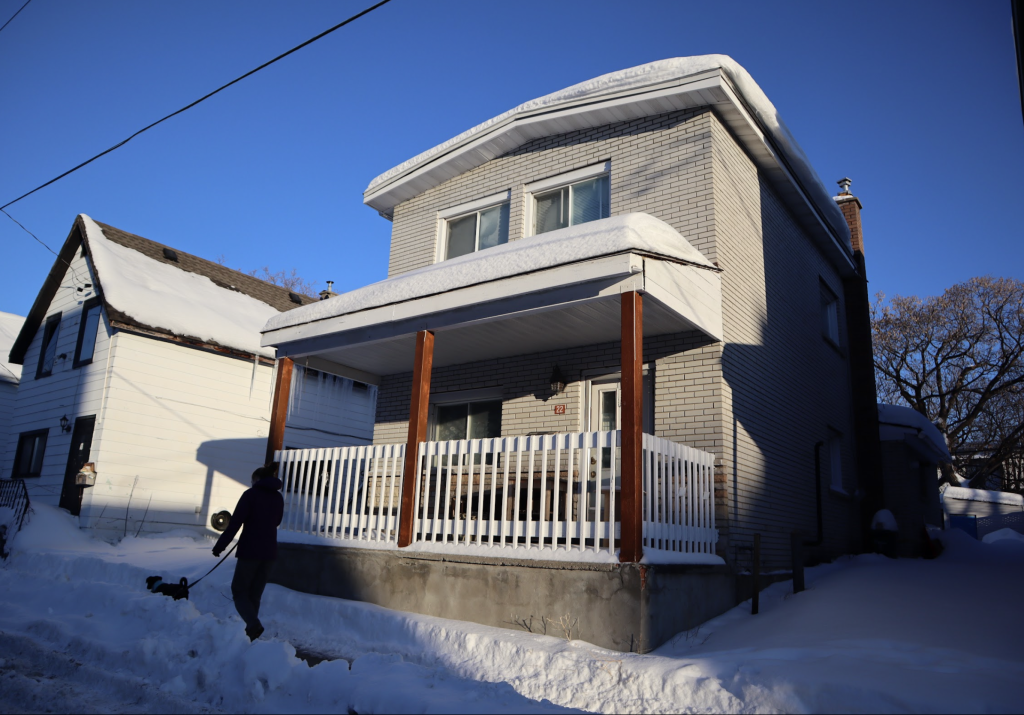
[(10, 375), (146, 362)]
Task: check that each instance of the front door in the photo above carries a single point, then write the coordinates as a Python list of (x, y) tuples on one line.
[(78, 455)]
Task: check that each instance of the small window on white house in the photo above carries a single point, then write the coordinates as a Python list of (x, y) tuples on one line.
[(829, 313), (48, 347), (835, 458), (476, 230), (571, 205), (87, 328)]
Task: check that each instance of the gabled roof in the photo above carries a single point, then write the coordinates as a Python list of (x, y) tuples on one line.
[(717, 81), (10, 325), (189, 299)]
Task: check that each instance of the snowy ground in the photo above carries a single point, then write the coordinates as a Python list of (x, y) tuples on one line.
[(79, 632)]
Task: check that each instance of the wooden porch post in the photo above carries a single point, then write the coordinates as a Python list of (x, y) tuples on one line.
[(418, 410), (279, 408), (631, 542)]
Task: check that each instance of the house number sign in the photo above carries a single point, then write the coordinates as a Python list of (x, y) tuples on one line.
[(559, 409)]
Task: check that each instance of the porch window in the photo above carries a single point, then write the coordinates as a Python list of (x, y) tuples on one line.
[(87, 330), (468, 420), (475, 231), (48, 347), (28, 460)]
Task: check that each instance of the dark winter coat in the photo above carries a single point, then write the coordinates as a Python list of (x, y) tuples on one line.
[(259, 510)]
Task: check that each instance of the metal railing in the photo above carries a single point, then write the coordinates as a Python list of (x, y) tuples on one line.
[(13, 496)]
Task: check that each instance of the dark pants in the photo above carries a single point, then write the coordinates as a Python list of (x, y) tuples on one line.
[(247, 589)]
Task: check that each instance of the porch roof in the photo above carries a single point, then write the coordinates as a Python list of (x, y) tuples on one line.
[(552, 291)]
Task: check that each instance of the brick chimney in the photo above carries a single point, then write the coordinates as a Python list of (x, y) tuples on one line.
[(850, 206)]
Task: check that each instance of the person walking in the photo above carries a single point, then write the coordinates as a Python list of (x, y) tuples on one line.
[(258, 514)]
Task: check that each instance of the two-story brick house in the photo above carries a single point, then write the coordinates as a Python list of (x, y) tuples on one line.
[(580, 285)]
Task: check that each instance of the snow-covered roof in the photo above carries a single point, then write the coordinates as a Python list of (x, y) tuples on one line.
[(984, 495), (896, 421), (10, 326), (189, 305), (541, 117), (635, 232)]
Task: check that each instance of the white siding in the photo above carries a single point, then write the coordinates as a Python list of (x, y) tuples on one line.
[(8, 395), (67, 391), (327, 408), (184, 428)]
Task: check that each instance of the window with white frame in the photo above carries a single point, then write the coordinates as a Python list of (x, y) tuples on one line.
[(571, 199), (474, 226), (829, 313), (835, 457)]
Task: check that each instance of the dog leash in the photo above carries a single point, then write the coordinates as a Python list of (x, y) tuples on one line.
[(190, 585)]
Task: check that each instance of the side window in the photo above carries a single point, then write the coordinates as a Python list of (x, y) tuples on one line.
[(87, 329), (474, 227), (835, 460), (829, 313), (571, 199), (28, 460), (48, 348)]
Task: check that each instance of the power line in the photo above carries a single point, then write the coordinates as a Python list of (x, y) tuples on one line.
[(201, 99), (30, 233), (15, 14), (44, 245)]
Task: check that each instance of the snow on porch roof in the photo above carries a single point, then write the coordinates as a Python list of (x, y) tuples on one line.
[(637, 86), (634, 232)]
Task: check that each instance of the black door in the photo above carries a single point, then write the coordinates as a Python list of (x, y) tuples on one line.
[(78, 455)]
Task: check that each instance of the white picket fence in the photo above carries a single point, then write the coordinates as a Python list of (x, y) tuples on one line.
[(349, 493), (679, 497), (559, 493)]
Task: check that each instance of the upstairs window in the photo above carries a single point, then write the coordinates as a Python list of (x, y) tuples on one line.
[(48, 347), (87, 329), (28, 460), (474, 226), (829, 314), (571, 199)]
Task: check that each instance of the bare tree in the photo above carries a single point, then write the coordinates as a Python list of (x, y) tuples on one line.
[(292, 281), (958, 359)]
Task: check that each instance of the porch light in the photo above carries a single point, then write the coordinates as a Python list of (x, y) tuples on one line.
[(557, 380), (64, 425)]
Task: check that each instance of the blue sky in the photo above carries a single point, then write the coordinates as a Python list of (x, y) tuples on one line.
[(916, 102)]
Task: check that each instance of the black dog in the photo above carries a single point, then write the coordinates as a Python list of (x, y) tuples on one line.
[(174, 590)]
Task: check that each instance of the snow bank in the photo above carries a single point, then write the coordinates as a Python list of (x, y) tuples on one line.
[(10, 326), (630, 232), (647, 75), (1006, 534), (884, 520), (79, 632), (186, 304), (893, 419), (984, 495)]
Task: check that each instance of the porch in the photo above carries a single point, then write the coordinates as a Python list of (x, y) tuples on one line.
[(551, 497), (567, 495)]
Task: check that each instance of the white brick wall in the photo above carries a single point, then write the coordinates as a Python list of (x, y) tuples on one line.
[(759, 401)]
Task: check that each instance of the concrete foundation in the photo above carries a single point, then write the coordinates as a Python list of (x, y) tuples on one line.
[(625, 607)]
